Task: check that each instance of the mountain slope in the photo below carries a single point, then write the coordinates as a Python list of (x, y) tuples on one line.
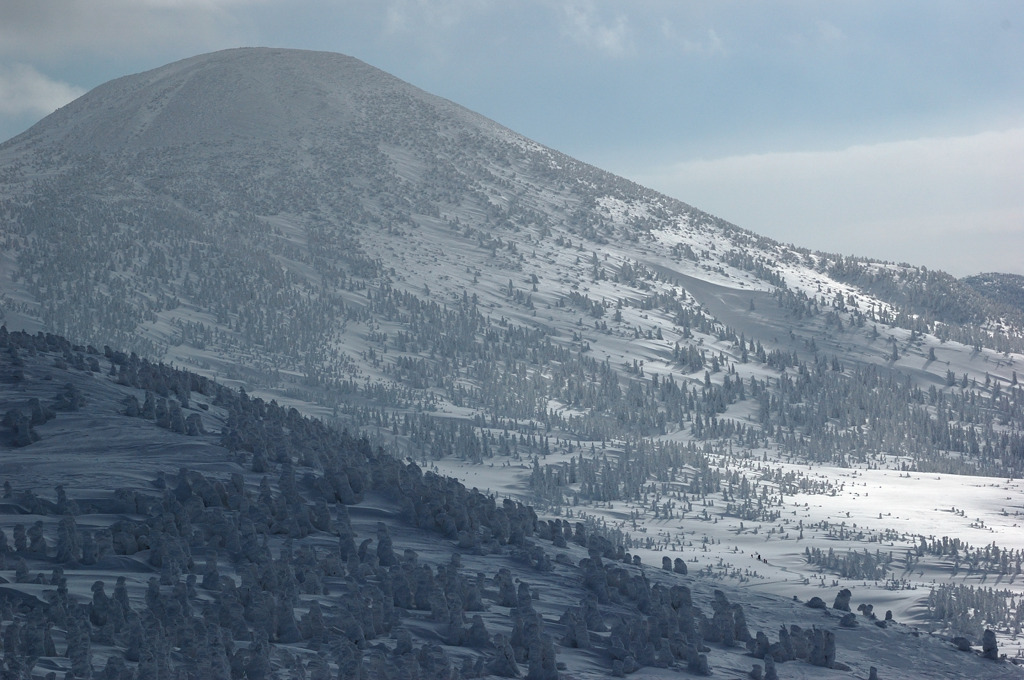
[(337, 240), (1003, 289), (164, 524)]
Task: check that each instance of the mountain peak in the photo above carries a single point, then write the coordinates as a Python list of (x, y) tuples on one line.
[(258, 94)]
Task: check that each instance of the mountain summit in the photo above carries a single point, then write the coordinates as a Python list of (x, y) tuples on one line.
[(246, 95)]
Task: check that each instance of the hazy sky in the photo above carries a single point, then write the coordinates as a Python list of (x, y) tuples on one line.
[(888, 129)]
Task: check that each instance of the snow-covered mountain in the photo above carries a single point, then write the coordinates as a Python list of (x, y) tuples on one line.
[(332, 238)]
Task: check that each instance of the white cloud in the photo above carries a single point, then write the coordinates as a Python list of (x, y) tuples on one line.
[(419, 16), (48, 28), (24, 90), (583, 24), (828, 32), (707, 43), (954, 203), (710, 45)]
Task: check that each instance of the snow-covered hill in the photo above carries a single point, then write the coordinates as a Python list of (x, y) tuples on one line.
[(332, 238), (157, 524)]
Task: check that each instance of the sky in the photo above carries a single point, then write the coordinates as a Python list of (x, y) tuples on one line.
[(893, 130)]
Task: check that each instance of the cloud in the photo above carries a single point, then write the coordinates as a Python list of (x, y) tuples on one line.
[(24, 90), (582, 23), (419, 16), (53, 28), (707, 44), (827, 32), (956, 203)]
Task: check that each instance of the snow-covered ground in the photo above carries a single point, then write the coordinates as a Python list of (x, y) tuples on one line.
[(307, 234), (883, 511), (89, 452)]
